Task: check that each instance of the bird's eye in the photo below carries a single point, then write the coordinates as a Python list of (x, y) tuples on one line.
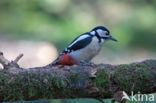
[(107, 33)]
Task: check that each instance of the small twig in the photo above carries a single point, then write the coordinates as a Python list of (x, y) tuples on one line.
[(18, 58), (7, 64)]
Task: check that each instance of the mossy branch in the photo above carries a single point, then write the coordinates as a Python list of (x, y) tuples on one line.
[(48, 82)]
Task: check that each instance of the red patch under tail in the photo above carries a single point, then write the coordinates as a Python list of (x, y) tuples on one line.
[(65, 59)]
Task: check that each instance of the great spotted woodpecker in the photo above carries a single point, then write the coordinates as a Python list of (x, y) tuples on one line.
[(84, 47)]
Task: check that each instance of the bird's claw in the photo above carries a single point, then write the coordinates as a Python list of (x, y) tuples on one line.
[(85, 63)]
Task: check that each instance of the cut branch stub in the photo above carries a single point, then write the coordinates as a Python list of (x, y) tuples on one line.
[(9, 64), (18, 58)]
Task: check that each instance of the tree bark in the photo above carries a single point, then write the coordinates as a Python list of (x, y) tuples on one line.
[(100, 81)]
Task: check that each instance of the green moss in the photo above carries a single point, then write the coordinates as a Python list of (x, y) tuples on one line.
[(14, 92), (142, 78), (31, 85), (133, 65), (101, 81), (133, 77), (74, 76), (46, 86), (150, 63)]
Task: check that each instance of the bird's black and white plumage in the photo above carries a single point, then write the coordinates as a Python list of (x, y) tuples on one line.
[(88, 45)]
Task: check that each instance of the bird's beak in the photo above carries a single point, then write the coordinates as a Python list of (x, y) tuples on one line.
[(112, 38)]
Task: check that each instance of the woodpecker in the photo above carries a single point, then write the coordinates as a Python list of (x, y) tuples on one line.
[(84, 47)]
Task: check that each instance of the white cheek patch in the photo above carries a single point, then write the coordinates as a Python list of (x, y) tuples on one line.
[(102, 33)]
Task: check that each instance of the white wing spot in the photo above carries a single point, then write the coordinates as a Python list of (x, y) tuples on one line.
[(78, 39), (93, 32)]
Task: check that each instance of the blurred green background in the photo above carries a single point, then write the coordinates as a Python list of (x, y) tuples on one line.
[(132, 22), (58, 22)]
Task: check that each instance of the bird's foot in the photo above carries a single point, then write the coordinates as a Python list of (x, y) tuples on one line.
[(85, 63)]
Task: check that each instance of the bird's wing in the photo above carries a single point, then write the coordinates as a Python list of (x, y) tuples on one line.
[(79, 43)]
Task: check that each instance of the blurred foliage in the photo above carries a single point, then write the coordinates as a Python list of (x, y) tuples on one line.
[(132, 22)]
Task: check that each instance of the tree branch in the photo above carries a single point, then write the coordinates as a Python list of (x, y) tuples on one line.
[(102, 81), (18, 58)]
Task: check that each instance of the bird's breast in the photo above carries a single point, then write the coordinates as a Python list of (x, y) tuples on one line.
[(88, 52)]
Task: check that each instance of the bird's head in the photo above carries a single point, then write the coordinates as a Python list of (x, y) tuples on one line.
[(103, 33)]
